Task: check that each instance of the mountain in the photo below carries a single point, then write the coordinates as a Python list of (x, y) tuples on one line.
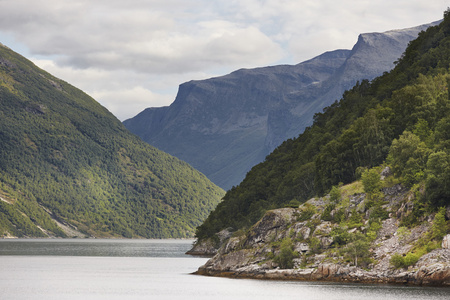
[(401, 118), (68, 167), (224, 126)]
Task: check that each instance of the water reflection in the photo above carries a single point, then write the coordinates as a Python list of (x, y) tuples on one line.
[(97, 247), (155, 269)]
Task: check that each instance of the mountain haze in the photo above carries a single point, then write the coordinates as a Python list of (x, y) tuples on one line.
[(68, 167), (223, 126)]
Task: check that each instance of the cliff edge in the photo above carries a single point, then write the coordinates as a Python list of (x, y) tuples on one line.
[(349, 236)]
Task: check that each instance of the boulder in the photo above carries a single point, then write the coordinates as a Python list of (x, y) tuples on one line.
[(385, 173), (446, 242), (270, 226), (204, 248), (324, 228), (302, 248)]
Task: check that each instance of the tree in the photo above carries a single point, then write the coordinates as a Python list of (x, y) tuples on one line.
[(285, 259), (439, 227), (357, 249), (335, 194), (423, 131), (437, 185), (371, 181), (408, 157)]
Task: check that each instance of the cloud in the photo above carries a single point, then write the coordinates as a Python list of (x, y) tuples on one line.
[(124, 93), (126, 102), (128, 51), (150, 39)]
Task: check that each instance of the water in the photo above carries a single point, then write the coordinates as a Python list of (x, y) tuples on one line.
[(154, 269)]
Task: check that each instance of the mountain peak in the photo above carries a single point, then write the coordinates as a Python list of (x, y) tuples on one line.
[(225, 125)]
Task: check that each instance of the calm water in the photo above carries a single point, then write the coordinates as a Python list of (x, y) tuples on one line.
[(153, 269)]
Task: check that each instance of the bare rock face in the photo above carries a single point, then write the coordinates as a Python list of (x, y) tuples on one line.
[(203, 248), (315, 257), (271, 227), (446, 242), (224, 126)]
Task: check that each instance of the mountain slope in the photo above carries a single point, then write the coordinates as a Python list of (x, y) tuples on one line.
[(404, 113), (223, 126), (66, 162), (352, 239)]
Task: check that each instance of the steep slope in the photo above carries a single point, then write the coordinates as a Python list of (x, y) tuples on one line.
[(68, 167), (357, 238), (404, 113), (223, 126), (220, 125)]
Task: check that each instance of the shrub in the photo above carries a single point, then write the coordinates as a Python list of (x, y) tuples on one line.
[(397, 261), (355, 220), (400, 261), (371, 181), (439, 227), (372, 233), (357, 249), (339, 216), (408, 157), (285, 259), (326, 215), (403, 234), (314, 244), (307, 211), (378, 213), (340, 236), (335, 194)]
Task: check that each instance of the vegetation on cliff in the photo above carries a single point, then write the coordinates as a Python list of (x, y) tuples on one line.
[(401, 118), (362, 235), (64, 157)]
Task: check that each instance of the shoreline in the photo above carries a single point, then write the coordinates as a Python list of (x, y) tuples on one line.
[(333, 273)]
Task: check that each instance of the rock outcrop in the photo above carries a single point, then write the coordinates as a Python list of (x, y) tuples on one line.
[(446, 242), (355, 240), (224, 126)]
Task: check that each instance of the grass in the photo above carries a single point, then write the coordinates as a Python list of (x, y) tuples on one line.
[(352, 189)]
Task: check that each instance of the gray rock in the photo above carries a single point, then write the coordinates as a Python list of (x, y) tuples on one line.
[(203, 248), (302, 248), (324, 228), (254, 255), (271, 227), (224, 234), (446, 242), (385, 173), (305, 231)]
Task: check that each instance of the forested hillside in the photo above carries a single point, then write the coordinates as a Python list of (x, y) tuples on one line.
[(64, 159), (401, 118)]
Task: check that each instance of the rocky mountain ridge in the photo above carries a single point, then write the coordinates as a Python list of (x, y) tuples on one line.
[(224, 126), (357, 239)]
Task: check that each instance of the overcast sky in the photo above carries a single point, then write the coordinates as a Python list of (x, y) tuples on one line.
[(130, 55)]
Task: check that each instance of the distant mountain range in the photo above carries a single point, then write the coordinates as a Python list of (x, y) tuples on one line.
[(224, 126), (69, 168)]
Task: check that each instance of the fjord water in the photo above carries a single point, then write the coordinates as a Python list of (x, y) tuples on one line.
[(153, 269)]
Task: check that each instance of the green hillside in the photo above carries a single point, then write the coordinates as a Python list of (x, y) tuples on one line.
[(401, 118), (64, 157)]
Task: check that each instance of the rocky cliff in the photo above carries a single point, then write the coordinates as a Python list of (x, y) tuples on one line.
[(224, 126), (356, 238)]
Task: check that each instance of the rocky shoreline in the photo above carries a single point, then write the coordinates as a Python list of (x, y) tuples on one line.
[(435, 275), (318, 254)]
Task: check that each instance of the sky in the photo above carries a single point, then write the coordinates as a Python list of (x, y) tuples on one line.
[(130, 55)]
